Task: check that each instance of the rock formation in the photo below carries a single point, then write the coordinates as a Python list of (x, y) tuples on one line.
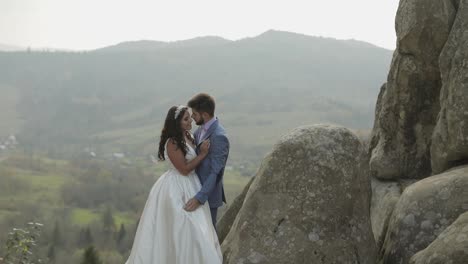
[(450, 138), (309, 203), (409, 103)]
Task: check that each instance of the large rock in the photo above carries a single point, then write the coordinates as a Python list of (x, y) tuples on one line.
[(423, 211), (409, 102), (450, 139), (225, 223), (385, 195), (451, 246), (309, 203)]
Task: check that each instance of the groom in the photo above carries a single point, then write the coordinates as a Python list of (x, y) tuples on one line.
[(211, 169)]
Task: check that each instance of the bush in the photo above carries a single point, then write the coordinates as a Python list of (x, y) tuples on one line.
[(21, 244)]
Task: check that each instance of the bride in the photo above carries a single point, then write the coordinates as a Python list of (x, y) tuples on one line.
[(166, 233)]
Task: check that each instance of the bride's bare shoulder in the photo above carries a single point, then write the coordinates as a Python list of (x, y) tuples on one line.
[(172, 145)]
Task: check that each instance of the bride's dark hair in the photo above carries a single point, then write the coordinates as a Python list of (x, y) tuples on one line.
[(173, 131)]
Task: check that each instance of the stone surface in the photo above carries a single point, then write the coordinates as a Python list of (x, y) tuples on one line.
[(423, 211), (225, 223), (450, 138), (408, 104), (451, 246), (309, 203), (385, 195)]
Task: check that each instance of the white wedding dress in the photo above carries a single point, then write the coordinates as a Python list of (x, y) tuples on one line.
[(166, 233)]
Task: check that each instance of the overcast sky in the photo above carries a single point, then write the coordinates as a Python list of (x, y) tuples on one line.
[(90, 24)]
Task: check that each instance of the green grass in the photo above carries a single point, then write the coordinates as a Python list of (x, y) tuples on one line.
[(83, 217), (44, 189), (124, 218), (36, 186), (44, 182)]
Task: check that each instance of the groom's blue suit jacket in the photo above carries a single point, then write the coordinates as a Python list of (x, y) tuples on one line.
[(211, 169)]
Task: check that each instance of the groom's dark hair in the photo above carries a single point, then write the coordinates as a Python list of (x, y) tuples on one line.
[(202, 102)]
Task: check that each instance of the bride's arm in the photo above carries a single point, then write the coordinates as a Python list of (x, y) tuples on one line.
[(178, 159)]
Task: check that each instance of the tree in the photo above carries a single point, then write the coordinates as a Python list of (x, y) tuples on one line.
[(122, 233), (57, 235), (123, 240), (88, 236), (51, 254), (108, 222), (85, 238), (91, 256)]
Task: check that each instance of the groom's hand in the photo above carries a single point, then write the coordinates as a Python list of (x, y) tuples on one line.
[(192, 205)]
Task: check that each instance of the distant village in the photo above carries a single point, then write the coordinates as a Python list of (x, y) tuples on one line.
[(114, 155), (8, 143)]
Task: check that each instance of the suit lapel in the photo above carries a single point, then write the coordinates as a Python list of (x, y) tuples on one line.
[(209, 132), (196, 135)]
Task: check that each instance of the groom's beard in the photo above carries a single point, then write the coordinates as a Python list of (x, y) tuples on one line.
[(200, 122)]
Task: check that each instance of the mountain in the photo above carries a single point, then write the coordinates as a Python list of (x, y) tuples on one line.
[(151, 45), (129, 46), (4, 47), (208, 41), (116, 98)]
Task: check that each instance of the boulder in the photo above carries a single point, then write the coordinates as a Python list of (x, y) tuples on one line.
[(309, 203), (225, 223), (424, 210)]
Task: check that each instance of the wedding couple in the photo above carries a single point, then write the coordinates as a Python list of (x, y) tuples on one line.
[(178, 223)]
